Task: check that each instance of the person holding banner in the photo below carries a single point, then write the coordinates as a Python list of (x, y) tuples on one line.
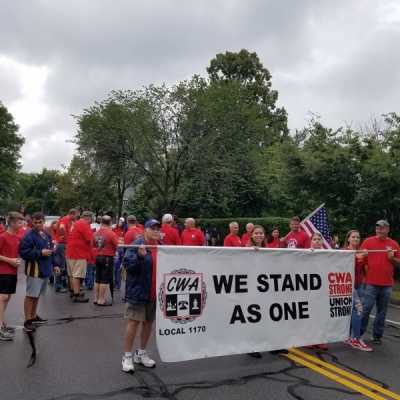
[(352, 242), (316, 244), (273, 240), (233, 240), (379, 278), (296, 238), (140, 294)]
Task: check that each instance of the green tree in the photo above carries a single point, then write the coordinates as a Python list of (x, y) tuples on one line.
[(10, 147)]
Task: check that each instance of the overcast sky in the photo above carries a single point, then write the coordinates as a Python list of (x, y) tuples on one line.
[(336, 58)]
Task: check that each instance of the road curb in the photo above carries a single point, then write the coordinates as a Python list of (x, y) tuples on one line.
[(395, 301)]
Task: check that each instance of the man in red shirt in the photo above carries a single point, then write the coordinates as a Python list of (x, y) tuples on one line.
[(296, 239), (24, 228), (62, 231), (246, 236), (233, 240), (379, 278), (9, 263), (106, 242), (134, 232), (169, 235), (79, 248), (191, 236)]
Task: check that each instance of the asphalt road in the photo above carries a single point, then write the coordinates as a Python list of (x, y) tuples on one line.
[(79, 357)]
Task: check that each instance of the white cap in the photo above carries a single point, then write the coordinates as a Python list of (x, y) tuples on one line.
[(122, 219), (167, 218)]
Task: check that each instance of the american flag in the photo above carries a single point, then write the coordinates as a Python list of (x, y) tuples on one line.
[(317, 222), (22, 209)]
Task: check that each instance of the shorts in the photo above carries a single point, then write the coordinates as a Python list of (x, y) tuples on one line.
[(76, 267), (104, 269), (35, 287), (8, 283), (141, 312)]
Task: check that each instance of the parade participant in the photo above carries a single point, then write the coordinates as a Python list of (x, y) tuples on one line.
[(133, 233), (169, 235), (335, 243), (140, 307), (28, 220), (79, 248), (175, 225), (379, 278), (273, 240), (296, 238), (40, 263), (2, 228), (62, 232), (233, 240), (96, 225), (257, 241), (191, 236), (52, 230), (106, 243), (139, 225), (119, 229), (214, 237), (9, 263), (246, 236), (118, 265), (352, 242), (24, 228), (316, 244)]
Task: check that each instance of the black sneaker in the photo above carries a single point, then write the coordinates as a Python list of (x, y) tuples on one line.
[(377, 339), (28, 326), (39, 321), (280, 351), (255, 354), (80, 300)]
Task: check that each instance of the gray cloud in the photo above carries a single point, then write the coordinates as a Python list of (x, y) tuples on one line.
[(336, 60)]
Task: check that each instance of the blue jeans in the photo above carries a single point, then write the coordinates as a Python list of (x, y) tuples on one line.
[(60, 253), (355, 323), (117, 278), (381, 296), (90, 276)]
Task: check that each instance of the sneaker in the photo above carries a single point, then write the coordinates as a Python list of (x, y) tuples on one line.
[(360, 345), (61, 290), (5, 335), (39, 321), (144, 359), (255, 354), (8, 328), (105, 304), (377, 339), (280, 351), (348, 341), (28, 326), (127, 364), (322, 346), (309, 347), (80, 299)]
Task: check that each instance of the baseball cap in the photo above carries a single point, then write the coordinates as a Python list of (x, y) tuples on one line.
[(131, 218), (382, 222), (151, 222), (167, 218), (86, 214), (122, 219)]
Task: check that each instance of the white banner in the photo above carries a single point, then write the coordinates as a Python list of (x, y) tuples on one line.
[(219, 301)]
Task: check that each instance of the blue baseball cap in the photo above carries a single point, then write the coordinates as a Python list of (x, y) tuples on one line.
[(151, 222), (383, 223)]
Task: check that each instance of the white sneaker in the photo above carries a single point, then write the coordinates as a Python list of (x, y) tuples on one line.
[(144, 359), (5, 335), (127, 365)]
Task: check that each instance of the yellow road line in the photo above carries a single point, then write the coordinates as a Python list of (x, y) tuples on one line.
[(336, 378), (349, 375)]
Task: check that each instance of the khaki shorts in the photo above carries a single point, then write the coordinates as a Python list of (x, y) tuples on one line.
[(76, 267), (141, 312)]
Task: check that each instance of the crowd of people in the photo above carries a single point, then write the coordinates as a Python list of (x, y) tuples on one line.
[(79, 250)]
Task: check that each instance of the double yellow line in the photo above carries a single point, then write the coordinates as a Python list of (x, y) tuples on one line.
[(369, 389)]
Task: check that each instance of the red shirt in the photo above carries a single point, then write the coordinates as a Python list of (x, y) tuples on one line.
[(2, 229), (194, 237), (132, 235), (275, 244), (64, 221), (299, 240), (232, 241), (92, 259), (21, 232), (106, 242), (79, 244), (118, 231), (153, 292), (380, 269), (169, 235), (9, 247), (358, 269), (245, 239), (140, 226)]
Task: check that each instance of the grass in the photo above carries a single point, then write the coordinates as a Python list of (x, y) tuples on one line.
[(396, 293)]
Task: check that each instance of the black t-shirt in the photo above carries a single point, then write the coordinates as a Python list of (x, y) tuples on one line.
[(214, 234)]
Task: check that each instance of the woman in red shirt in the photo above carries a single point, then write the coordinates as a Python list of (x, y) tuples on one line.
[(119, 229), (273, 241)]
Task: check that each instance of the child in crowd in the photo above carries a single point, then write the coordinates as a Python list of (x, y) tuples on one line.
[(118, 266)]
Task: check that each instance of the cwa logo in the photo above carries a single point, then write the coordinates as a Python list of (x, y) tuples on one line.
[(182, 296)]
